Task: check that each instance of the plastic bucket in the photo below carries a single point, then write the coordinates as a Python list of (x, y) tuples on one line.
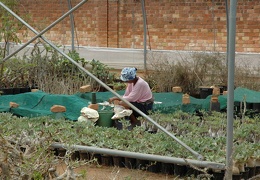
[(105, 118)]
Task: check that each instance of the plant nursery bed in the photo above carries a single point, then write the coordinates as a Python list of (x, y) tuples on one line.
[(82, 141)]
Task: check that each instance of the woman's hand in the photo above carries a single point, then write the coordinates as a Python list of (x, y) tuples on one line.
[(113, 100), (110, 100)]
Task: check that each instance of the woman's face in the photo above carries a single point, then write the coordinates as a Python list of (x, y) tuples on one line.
[(130, 81)]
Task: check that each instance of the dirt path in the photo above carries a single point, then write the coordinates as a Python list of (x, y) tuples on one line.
[(94, 172)]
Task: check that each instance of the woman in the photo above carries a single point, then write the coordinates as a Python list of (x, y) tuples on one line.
[(137, 93)]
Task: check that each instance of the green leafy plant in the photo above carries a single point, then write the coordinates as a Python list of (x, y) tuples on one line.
[(51, 70), (117, 86), (9, 28), (52, 73), (102, 72), (17, 73), (67, 65)]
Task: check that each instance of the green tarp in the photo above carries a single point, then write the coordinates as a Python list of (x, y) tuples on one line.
[(35, 104)]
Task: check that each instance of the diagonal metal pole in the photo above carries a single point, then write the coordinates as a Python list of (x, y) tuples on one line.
[(143, 156), (199, 156), (43, 31)]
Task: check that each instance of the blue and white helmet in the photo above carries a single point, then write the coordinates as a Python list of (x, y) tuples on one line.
[(128, 74)]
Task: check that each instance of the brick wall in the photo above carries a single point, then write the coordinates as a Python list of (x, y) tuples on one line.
[(193, 25)]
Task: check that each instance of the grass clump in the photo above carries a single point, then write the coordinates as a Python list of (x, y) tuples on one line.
[(200, 69)]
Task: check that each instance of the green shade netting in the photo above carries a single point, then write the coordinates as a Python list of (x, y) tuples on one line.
[(38, 103)]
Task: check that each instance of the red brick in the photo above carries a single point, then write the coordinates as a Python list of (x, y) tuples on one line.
[(114, 23)]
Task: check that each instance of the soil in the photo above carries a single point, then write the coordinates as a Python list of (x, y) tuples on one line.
[(94, 172), (99, 172)]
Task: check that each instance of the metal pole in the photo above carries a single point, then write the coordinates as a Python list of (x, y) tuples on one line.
[(7, 48), (145, 33), (200, 157), (72, 26), (227, 17), (151, 157), (43, 31), (230, 100)]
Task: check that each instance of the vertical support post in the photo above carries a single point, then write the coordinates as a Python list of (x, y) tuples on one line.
[(227, 17), (145, 33), (230, 100), (7, 48), (71, 26)]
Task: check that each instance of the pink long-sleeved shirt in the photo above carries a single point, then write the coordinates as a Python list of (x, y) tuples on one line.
[(140, 92)]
